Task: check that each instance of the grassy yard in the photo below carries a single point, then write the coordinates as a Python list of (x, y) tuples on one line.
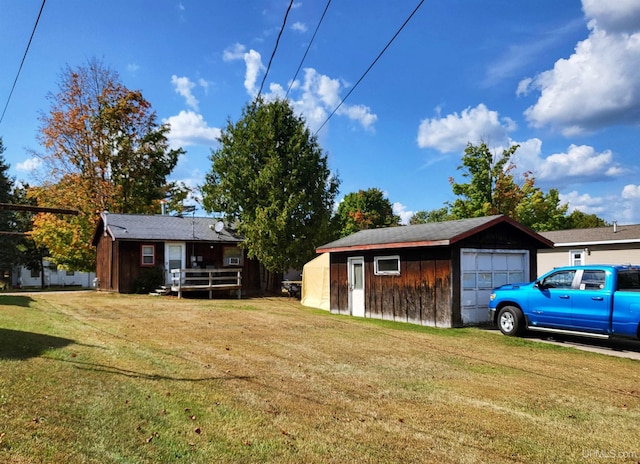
[(100, 378)]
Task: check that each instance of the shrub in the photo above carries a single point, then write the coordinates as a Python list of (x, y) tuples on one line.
[(150, 279)]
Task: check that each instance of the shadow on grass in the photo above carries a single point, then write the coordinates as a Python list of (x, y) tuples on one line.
[(15, 300), (15, 344)]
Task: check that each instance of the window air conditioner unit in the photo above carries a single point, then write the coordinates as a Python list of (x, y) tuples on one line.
[(233, 261)]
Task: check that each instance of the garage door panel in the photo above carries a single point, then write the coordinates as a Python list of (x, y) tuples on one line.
[(483, 270), (484, 261), (499, 262), (515, 261)]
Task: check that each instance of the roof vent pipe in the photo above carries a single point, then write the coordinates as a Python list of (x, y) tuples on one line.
[(615, 226)]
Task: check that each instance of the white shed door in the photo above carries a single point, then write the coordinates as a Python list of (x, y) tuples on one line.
[(482, 271)]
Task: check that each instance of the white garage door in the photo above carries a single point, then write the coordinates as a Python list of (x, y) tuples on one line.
[(483, 270)]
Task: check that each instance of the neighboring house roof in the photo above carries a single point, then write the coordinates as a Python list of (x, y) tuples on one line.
[(595, 236), (162, 228), (424, 235)]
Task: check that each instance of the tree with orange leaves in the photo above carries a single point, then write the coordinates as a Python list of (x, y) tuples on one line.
[(104, 151)]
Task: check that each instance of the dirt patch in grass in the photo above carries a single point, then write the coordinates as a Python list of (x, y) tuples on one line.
[(118, 378)]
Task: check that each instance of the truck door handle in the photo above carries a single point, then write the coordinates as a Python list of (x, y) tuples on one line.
[(597, 298), (564, 297)]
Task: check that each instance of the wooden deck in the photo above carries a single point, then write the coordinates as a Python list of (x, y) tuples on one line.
[(192, 280)]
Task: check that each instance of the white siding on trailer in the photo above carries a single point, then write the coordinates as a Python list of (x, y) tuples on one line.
[(481, 272), (54, 277), (594, 254)]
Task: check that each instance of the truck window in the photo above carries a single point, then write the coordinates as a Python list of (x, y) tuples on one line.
[(592, 280), (629, 280), (560, 279)]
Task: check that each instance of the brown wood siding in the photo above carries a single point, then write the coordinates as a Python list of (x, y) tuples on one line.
[(443, 293), (338, 286), (421, 294), (428, 289), (104, 249)]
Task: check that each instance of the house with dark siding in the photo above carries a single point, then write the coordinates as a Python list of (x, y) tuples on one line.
[(435, 274), (198, 251)]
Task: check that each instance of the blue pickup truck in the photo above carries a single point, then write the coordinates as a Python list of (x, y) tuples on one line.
[(595, 301)]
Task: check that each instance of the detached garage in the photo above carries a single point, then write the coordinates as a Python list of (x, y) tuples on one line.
[(436, 274)]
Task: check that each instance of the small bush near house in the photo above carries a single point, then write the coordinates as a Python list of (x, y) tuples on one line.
[(150, 279)]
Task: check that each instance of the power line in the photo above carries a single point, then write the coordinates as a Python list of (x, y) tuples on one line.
[(308, 47), (22, 62), (370, 66), (275, 48)]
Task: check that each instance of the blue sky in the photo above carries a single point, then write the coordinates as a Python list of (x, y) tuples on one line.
[(560, 78)]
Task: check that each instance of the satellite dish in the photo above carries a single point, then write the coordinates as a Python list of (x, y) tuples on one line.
[(219, 226)]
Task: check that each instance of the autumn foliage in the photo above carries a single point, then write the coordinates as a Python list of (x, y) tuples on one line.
[(104, 151)]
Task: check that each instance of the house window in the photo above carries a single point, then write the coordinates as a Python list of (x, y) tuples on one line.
[(386, 265), (576, 257), (148, 255), (232, 256), (70, 273), (35, 273)]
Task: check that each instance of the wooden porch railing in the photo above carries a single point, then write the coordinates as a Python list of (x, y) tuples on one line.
[(185, 280)]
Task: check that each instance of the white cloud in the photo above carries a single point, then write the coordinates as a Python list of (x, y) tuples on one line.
[(317, 96), (32, 164), (254, 65), (618, 16), (474, 125), (299, 27), (132, 68), (598, 85), (580, 163), (190, 128), (631, 192), (204, 84), (624, 208), (630, 204), (234, 52), (401, 210), (184, 86)]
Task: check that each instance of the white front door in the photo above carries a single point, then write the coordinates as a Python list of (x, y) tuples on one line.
[(174, 258), (355, 277)]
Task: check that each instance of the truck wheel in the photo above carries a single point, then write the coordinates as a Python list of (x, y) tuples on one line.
[(510, 321)]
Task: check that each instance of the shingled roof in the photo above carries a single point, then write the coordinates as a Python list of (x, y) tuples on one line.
[(595, 235), (422, 235), (162, 228)]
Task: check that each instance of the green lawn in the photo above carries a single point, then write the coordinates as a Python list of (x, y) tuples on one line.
[(101, 378)]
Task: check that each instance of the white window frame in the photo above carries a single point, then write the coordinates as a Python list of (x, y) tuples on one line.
[(574, 262), (144, 255), (377, 271)]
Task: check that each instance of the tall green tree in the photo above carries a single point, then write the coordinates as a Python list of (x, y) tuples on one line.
[(271, 177), (104, 150), (492, 189), (365, 209), (538, 210)]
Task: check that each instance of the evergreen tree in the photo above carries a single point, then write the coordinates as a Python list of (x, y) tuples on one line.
[(272, 178)]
